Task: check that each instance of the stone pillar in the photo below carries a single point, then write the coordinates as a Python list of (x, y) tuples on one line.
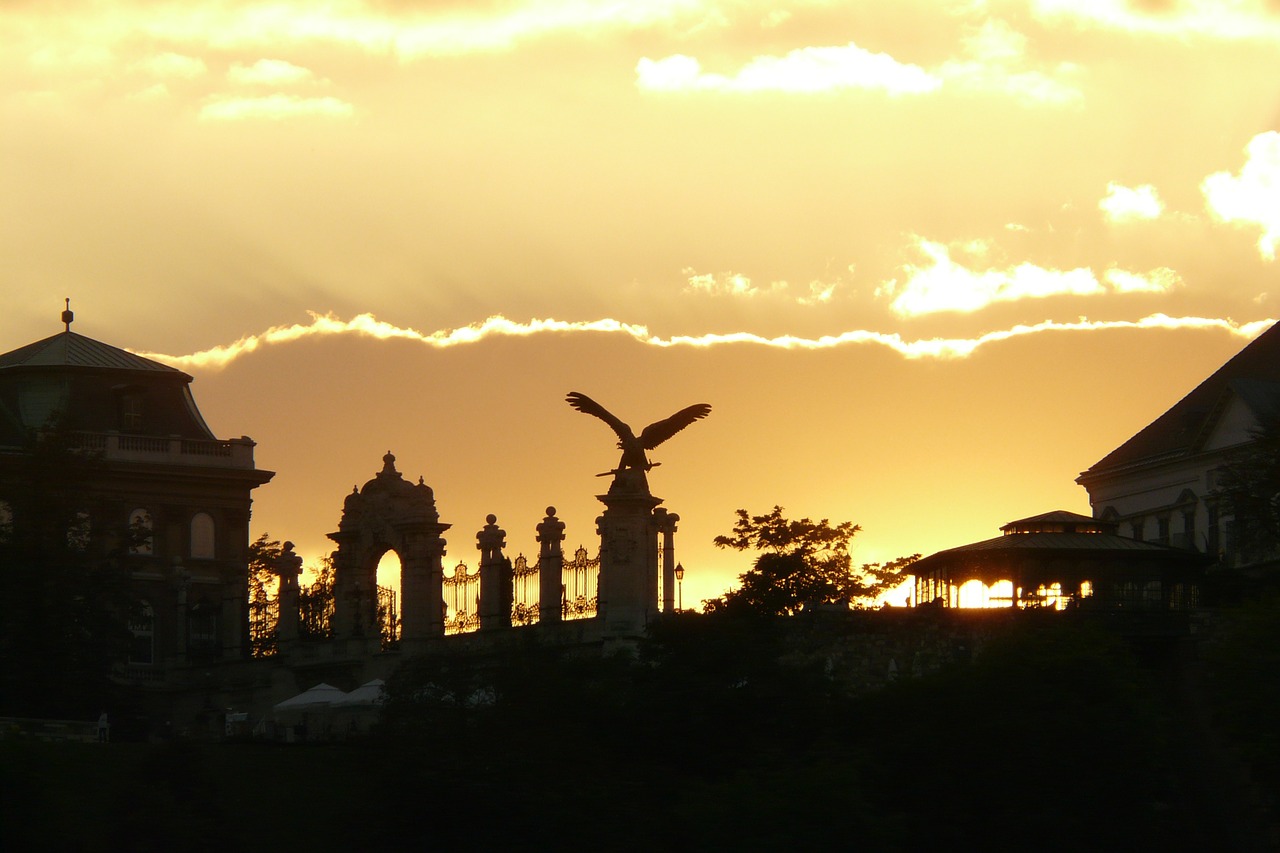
[(495, 576), (287, 566), (420, 582), (550, 568), (434, 601), (344, 605), (665, 523), (181, 584), (628, 592)]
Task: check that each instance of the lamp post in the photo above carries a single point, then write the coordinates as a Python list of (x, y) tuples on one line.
[(679, 587)]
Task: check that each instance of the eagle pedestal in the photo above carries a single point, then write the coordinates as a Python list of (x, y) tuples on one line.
[(628, 591)]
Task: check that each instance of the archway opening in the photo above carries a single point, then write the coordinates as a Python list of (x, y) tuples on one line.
[(387, 578)]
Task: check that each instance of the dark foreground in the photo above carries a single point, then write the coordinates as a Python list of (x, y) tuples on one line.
[(1057, 738)]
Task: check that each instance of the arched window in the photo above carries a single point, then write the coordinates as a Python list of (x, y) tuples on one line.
[(140, 532), (142, 622), (202, 547)]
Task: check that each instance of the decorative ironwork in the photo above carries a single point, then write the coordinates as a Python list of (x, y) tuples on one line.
[(524, 599), (461, 600), (315, 609), (580, 586), (388, 618), (264, 614)]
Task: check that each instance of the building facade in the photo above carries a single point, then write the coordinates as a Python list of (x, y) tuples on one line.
[(1161, 485), (157, 471)]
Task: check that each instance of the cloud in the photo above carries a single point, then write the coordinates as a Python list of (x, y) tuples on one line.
[(367, 326), (1158, 280), (994, 56), (943, 284), (1253, 196), (733, 284), (154, 92), (274, 107), (408, 31), (1126, 204), (807, 69), (1230, 20), (172, 65), (719, 284), (819, 293), (269, 72)]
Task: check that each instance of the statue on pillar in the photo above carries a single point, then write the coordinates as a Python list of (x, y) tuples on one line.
[(635, 462), (287, 566)]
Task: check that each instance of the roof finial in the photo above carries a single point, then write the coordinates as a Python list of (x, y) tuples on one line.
[(67, 315)]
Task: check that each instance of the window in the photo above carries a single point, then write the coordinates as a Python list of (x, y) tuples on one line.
[(202, 547), (131, 413), (140, 532), (142, 622), (1136, 528), (1162, 529)]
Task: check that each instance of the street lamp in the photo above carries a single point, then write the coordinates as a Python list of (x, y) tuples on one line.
[(679, 587)]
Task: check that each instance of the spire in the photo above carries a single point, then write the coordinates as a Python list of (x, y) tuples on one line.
[(67, 315)]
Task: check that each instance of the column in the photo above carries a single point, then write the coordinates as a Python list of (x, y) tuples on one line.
[(550, 568)]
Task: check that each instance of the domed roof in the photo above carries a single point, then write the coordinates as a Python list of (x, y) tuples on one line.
[(95, 387), (69, 349)]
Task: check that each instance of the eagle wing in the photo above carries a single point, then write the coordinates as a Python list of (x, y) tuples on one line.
[(587, 406), (659, 431)]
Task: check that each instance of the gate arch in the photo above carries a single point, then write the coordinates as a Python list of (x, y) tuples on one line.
[(389, 514)]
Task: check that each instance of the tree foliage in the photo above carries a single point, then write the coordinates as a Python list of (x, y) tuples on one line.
[(804, 563), (1250, 492), (315, 601), (64, 599)]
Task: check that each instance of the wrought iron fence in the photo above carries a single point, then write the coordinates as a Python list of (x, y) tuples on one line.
[(388, 618), (525, 595), (461, 600), (580, 582), (315, 611), (264, 614)]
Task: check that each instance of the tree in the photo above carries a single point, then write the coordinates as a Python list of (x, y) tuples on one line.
[(804, 563), (315, 602), (1250, 492), (64, 597), (263, 611)]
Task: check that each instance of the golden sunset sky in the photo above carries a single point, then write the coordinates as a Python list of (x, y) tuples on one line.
[(926, 260)]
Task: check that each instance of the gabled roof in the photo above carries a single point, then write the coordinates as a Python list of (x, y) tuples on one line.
[(1180, 429), (68, 349)]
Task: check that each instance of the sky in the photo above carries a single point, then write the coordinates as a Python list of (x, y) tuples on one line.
[(927, 261)]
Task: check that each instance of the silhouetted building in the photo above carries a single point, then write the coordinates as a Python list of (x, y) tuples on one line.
[(1159, 486), (1062, 559), (163, 471)]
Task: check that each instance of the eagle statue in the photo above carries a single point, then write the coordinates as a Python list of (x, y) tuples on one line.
[(633, 447)]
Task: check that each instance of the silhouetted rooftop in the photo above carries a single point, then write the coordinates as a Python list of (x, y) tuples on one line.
[(69, 349), (1253, 374)]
